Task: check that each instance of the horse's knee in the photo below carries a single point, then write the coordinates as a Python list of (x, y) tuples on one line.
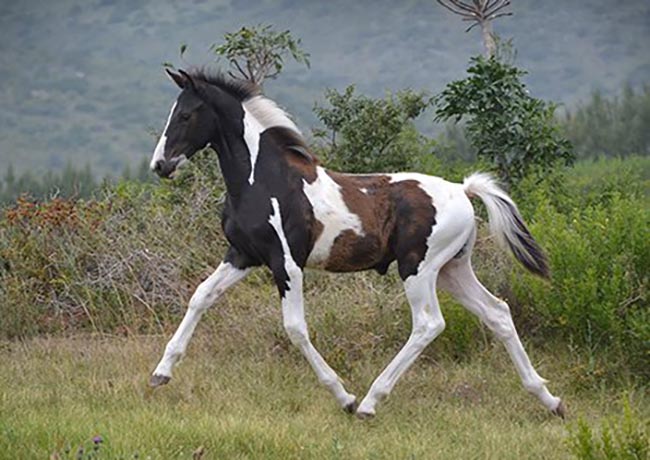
[(498, 318), (428, 330), (297, 332), (201, 299)]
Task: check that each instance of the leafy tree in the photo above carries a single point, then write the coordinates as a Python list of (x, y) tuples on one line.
[(518, 134), (616, 126), (257, 53), (369, 135)]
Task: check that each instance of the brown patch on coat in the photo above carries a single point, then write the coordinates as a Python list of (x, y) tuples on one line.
[(416, 216), (397, 219), (301, 165), (353, 252)]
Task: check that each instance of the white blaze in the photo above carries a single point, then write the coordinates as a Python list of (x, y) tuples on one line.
[(159, 152), (329, 208)]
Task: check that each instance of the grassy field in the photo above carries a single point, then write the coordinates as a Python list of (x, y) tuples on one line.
[(58, 394)]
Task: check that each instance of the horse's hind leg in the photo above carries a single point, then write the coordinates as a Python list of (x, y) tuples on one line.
[(458, 278), (428, 323), (225, 276)]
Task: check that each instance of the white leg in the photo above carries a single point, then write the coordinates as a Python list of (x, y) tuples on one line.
[(293, 315), (427, 324), (205, 295), (294, 323), (459, 279)]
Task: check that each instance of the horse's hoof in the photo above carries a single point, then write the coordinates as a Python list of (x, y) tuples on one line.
[(351, 408), (365, 415), (156, 380), (560, 410)]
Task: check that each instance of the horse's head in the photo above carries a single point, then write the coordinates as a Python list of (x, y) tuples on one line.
[(190, 124)]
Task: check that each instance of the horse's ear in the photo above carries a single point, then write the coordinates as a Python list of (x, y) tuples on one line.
[(189, 81), (176, 78)]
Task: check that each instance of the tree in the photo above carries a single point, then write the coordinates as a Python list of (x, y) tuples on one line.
[(611, 126), (480, 13), (257, 53), (369, 135), (515, 132)]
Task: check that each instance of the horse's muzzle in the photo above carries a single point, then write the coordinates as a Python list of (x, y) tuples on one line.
[(165, 168)]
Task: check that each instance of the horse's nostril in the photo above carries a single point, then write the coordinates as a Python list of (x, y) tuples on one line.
[(158, 166)]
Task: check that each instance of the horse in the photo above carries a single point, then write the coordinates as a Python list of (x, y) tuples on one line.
[(285, 211)]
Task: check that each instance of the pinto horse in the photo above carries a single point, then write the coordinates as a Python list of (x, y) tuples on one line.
[(285, 211)]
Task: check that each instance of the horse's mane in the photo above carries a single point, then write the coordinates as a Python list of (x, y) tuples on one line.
[(266, 111), (240, 89)]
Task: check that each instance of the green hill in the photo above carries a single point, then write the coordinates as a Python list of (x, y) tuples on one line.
[(82, 79)]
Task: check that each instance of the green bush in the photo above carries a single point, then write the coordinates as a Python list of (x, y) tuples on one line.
[(597, 236), (625, 437), (119, 263), (366, 135)]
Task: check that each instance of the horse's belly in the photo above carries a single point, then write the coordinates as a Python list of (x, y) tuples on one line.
[(348, 252)]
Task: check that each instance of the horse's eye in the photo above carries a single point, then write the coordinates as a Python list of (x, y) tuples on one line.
[(185, 116)]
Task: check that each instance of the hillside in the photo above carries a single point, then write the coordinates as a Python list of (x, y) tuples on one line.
[(83, 80)]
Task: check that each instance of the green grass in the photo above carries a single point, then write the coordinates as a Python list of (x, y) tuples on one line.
[(56, 394)]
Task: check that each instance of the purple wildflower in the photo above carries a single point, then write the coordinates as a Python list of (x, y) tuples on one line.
[(98, 439)]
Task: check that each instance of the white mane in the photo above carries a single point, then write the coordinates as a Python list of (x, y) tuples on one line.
[(268, 114)]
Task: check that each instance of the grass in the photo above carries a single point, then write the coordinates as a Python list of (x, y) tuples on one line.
[(58, 393)]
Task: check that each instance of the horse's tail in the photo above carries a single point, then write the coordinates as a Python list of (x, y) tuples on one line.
[(506, 223)]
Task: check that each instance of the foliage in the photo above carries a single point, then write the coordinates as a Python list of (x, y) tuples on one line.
[(616, 126), (103, 264), (69, 183), (597, 235), (621, 438), (370, 135), (257, 53), (515, 132)]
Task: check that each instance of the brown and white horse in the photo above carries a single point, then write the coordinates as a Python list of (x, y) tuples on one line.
[(285, 211)]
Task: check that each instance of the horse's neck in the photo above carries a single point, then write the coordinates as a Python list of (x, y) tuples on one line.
[(234, 160)]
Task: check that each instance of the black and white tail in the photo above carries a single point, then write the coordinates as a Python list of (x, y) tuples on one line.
[(506, 223)]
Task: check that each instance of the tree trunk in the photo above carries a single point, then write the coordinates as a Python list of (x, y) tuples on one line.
[(488, 38)]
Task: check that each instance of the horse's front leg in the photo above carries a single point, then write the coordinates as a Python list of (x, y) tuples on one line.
[(225, 276), (288, 277)]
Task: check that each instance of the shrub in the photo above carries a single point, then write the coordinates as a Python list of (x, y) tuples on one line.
[(120, 263), (599, 251), (365, 135), (625, 437)]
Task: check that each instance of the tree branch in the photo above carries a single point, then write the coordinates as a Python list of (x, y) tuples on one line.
[(489, 12), (460, 13), (236, 64), (463, 6), (491, 18)]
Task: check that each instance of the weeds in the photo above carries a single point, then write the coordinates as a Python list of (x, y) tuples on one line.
[(623, 437)]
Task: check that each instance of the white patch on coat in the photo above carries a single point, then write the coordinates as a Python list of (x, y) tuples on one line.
[(364, 190), (159, 151), (260, 114), (253, 129), (454, 214), (329, 208), (275, 220)]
